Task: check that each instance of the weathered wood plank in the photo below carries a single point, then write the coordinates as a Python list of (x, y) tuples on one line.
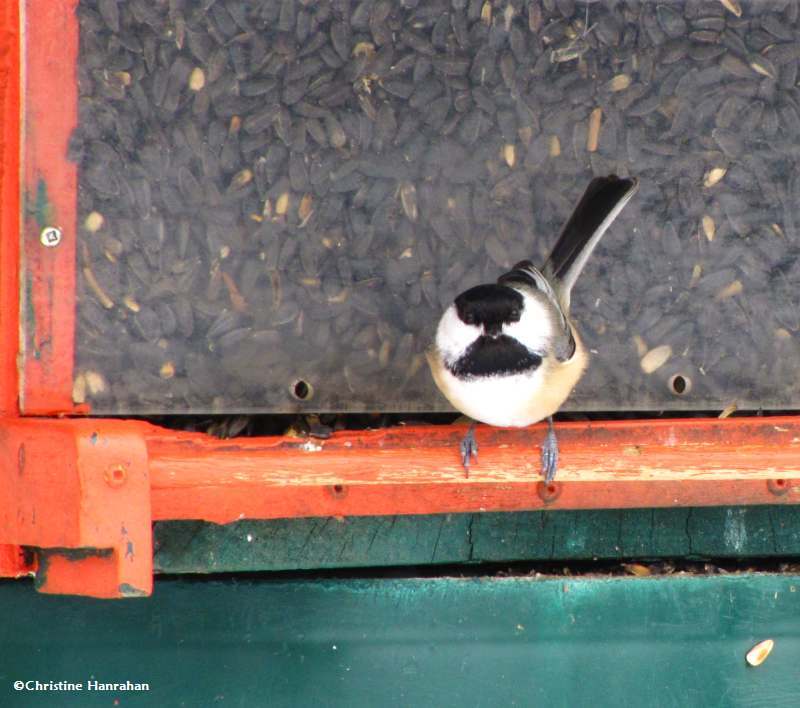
[(417, 469), (293, 544)]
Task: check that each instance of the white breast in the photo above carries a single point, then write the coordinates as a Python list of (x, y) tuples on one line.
[(515, 400), (504, 401)]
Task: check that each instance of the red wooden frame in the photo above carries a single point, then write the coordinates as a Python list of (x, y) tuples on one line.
[(10, 108), (95, 485), (50, 186), (85, 491), (417, 470)]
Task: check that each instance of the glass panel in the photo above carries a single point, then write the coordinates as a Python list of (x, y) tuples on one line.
[(277, 198)]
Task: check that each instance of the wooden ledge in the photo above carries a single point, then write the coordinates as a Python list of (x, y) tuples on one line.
[(416, 470), (85, 491)]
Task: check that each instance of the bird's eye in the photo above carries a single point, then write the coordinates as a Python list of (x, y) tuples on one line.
[(469, 319), (515, 314)]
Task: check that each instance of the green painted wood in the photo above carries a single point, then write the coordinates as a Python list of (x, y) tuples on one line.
[(733, 532), (677, 641)]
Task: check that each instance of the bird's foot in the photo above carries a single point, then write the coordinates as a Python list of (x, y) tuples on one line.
[(550, 453), (469, 449)]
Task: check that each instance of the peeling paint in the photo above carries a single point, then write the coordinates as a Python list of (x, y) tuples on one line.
[(735, 532), (127, 590), (43, 208), (30, 316)]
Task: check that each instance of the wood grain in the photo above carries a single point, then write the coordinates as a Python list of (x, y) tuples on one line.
[(416, 470)]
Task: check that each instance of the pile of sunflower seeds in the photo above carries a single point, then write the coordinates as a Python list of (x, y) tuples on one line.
[(278, 198)]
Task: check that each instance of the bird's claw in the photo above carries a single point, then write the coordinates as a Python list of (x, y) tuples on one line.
[(469, 449), (550, 454)]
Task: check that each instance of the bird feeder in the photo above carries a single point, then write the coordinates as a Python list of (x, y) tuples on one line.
[(262, 208)]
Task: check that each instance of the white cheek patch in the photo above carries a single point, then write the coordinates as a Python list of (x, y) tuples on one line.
[(453, 336), (535, 327)]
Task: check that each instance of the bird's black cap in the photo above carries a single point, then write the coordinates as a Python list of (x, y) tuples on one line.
[(490, 306)]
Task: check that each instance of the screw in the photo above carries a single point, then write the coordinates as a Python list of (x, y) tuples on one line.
[(116, 476), (338, 491), (50, 236), (548, 492), (778, 487)]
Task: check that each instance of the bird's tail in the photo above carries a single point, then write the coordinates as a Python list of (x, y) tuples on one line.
[(601, 203)]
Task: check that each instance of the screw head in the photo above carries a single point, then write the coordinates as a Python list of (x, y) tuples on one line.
[(548, 491), (338, 491), (116, 475), (778, 487), (50, 236)]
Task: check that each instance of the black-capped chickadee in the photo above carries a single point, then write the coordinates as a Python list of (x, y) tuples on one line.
[(507, 353)]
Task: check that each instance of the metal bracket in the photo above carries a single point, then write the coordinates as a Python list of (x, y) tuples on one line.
[(80, 492)]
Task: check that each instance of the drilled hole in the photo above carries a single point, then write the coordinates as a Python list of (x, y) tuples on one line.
[(779, 487), (680, 384), (338, 488), (116, 476), (302, 390), (548, 491)]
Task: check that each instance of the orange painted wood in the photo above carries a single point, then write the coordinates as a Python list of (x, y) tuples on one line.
[(92, 575), (416, 470), (50, 93), (13, 562), (9, 204), (80, 485), (404, 470), (86, 490)]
